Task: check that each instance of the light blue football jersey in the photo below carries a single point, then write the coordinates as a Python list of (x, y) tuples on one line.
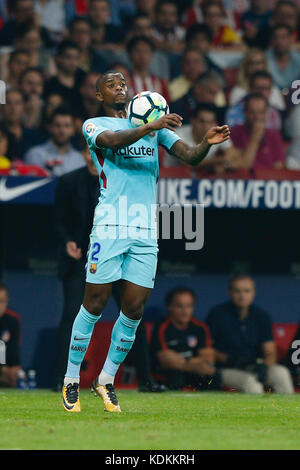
[(128, 175)]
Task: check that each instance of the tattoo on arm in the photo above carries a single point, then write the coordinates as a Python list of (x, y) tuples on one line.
[(122, 138), (192, 155)]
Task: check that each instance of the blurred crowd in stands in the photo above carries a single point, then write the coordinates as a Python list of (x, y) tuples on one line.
[(215, 61)]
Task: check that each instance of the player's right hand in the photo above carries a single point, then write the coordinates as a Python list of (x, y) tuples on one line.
[(169, 121), (73, 250)]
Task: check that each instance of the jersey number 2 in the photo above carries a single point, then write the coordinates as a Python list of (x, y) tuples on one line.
[(95, 250)]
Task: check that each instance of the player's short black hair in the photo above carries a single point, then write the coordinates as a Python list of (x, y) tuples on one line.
[(3, 286), (282, 26), (260, 74), (178, 290), (238, 277), (60, 111), (196, 29), (254, 96), (101, 77), (64, 45), (208, 107), (136, 39)]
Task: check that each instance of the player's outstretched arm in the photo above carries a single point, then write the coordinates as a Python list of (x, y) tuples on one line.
[(115, 140), (193, 155)]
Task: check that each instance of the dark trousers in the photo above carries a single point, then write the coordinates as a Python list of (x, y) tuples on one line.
[(139, 355), (176, 380), (73, 292)]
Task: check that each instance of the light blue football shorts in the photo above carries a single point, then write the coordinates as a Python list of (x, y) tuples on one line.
[(114, 255)]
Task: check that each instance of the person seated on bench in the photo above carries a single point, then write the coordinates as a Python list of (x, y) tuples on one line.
[(243, 341), (180, 346), (9, 341)]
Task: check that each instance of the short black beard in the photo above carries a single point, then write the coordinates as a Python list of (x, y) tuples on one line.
[(119, 106)]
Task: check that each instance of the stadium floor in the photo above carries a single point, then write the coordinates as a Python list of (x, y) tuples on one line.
[(173, 420)]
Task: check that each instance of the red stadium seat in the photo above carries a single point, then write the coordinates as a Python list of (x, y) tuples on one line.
[(175, 172), (14, 314), (283, 336), (276, 174), (97, 351), (236, 175), (96, 354), (28, 170)]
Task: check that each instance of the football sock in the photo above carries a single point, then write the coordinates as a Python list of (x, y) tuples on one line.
[(122, 339), (83, 327)]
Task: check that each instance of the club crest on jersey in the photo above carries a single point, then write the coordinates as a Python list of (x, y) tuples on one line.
[(93, 268), (90, 128), (192, 341)]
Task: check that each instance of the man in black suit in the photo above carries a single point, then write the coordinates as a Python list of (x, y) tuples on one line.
[(76, 197)]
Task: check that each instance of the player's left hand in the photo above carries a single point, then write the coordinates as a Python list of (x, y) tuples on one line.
[(217, 135)]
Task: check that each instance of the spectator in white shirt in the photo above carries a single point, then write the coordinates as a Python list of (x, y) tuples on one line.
[(57, 155), (254, 61)]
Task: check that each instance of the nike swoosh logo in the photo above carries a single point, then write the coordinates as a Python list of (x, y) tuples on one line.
[(7, 194), (79, 339), (69, 407), (126, 341)]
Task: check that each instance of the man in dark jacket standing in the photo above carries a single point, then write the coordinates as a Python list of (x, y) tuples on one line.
[(76, 197)]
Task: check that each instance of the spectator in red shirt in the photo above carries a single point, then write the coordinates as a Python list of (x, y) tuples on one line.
[(140, 51), (180, 345), (259, 147), (10, 341)]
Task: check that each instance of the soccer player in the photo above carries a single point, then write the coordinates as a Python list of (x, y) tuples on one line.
[(123, 245)]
